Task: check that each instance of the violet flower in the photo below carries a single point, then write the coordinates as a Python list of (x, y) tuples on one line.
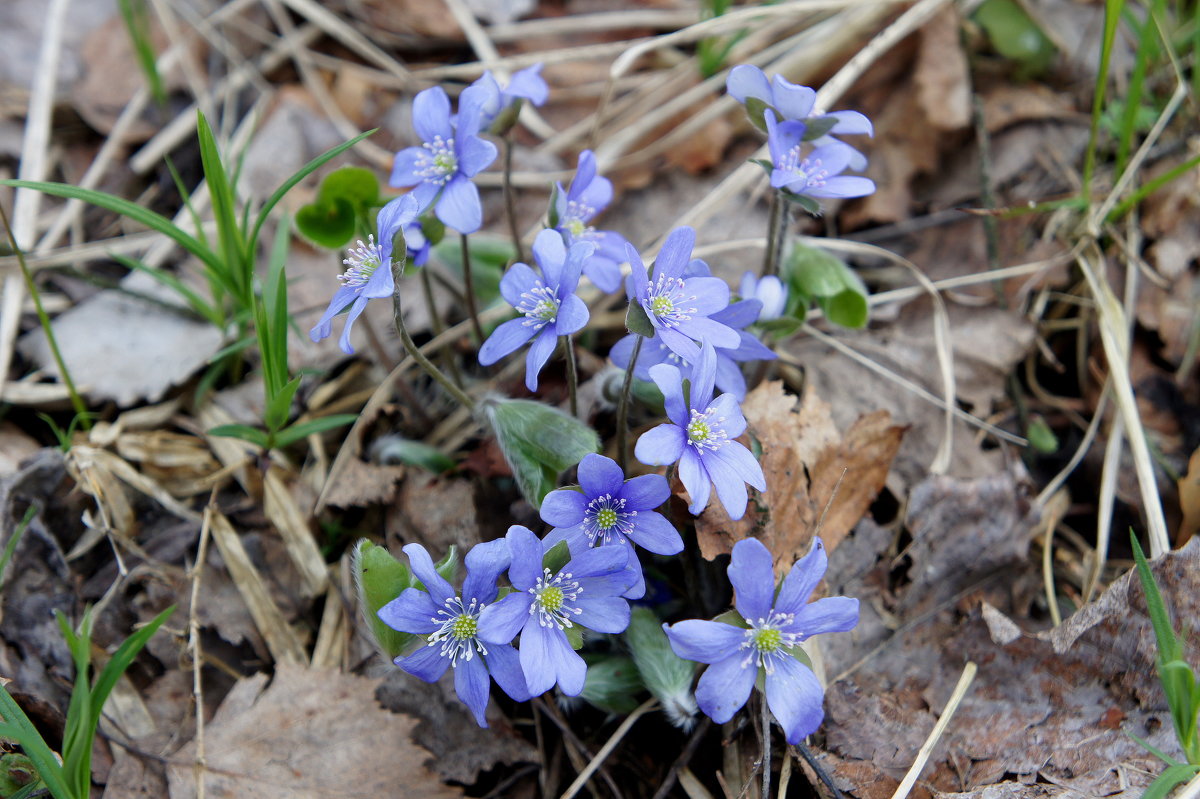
[(700, 437), (368, 272), (452, 153), (608, 510), (679, 307), (587, 196), (451, 622), (494, 101), (585, 592), (549, 306), (768, 290), (768, 640), (816, 175)]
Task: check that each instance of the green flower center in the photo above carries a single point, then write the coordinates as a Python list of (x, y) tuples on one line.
[(546, 310), (662, 305), (576, 227), (767, 640), (551, 598), (606, 518), (445, 162), (464, 627), (698, 431)]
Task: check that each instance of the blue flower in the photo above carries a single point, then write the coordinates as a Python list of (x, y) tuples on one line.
[(700, 437), (769, 291), (525, 84), (773, 628), (793, 102), (585, 592), (729, 374), (368, 272), (609, 510), (679, 306), (417, 244), (549, 306), (442, 167), (817, 174), (451, 622), (588, 195)]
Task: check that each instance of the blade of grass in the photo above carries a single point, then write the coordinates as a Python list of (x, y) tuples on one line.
[(194, 300), (137, 25), (1112, 18), (14, 539), (229, 235), (43, 759)]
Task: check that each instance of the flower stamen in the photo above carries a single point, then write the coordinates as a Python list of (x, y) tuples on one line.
[(458, 630), (552, 599)]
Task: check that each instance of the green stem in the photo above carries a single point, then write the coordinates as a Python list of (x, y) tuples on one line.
[(572, 375), (623, 406), (44, 319), (510, 203), (435, 322), (776, 233), (766, 744), (469, 290), (415, 352)]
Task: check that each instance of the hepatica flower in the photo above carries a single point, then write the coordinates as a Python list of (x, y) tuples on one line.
[(451, 154), (494, 100), (700, 437), (608, 510), (368, 273), (769, 291), (584, 592), (451, 623), (548, 304), (679, 306), (587, 196), (817, 174), (766, 640)]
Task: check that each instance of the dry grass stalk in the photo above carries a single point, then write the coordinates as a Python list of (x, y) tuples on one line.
[(332, 636), (960, 690), (293, 525)]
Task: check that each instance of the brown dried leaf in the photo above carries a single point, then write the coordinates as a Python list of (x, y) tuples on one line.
[(704, 149), (1189, 500), (361, 483), (436, 512), (942, 79), (310, 735), (1006, 105), (805, 460)]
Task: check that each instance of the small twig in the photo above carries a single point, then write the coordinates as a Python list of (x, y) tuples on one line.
[(608, 747), (469, 289), (414, 351), (818, 769), (623, 406), (960, 690), (765, 718), (199, 765)]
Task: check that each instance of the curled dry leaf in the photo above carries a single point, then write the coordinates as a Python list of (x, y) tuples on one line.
[(812, 471)]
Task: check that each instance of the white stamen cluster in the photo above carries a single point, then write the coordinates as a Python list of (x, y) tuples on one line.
[(539, 305), (551, 598), (767, 642), (574, 220), (706, 430), (808, 170), (362, 263), (458, 626), (667, 302), (606, 521), (438, 163)]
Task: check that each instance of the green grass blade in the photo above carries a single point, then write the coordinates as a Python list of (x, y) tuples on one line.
[(276, 307), (304, 172), (121, 660), (194, 300), (1168, 643), (296, 432), (1152, 186), (43, 759), (1172, 776), (110, 202), (137, 24), (1112, 19), (224, 212), (14, 539)]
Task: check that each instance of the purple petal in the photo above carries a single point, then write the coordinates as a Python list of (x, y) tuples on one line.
[(471, 683), (411, 612), (550, 252), (564, 507), (711, 293), (670, 383), (639, 282), (584, 173), (729, 376), (547, 658), (605, 273), (597, 196), (843, 186), (637, 588), (753, 578), (422, 566), (704, 373), (575, 536), (529, 84), (485, 563), (725, 686), (578, 253), (750, 349), (505, 339), (539, 352), (675, 253), (702, 328), (834, 614), (600, 475), (745, 81), (474, 155), (500, 621), (739, 314), (527, 554), (795, 696), (604, 614), (597, 562), (654, 533), (505, 666), (425, 194), (426, 663), (694, 479), (404, 167), (792, 100), (341, 298), (726, 406), (833, 156), (572, 316), (704, 641), (678, 343), (652, 354), (741, 463), (355, 311), (519, 279), (731, 490), (459, 206), (392, 217), (431, 114), (849, 122), (644, 492), (380, 283), (802, 579), (660, 445)]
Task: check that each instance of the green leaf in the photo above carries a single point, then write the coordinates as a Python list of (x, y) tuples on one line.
[(1040, 436), (354, 184), (242, 431), (552, 211), (1169, 648), (395, 449), (556, 557), (612, 684), (328, 224), (847, 308), (279, 406), (816, 127), (574, 636), (809, 204), (783, 326), (668, 676), (756, 110), (815, 272), (378, 579), (539, 442), (224, 205), (637, 321), (1014, 34), (290, 435), (432, 228), (17, 727), (1172, 776), (273, 338)]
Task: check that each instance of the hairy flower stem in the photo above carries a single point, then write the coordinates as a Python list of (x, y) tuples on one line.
[(766, 743), (415, 352), (777, 225), (469, 290), (623, 406), (510, 203), (85, 419), (572, 375), (436, 322)]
